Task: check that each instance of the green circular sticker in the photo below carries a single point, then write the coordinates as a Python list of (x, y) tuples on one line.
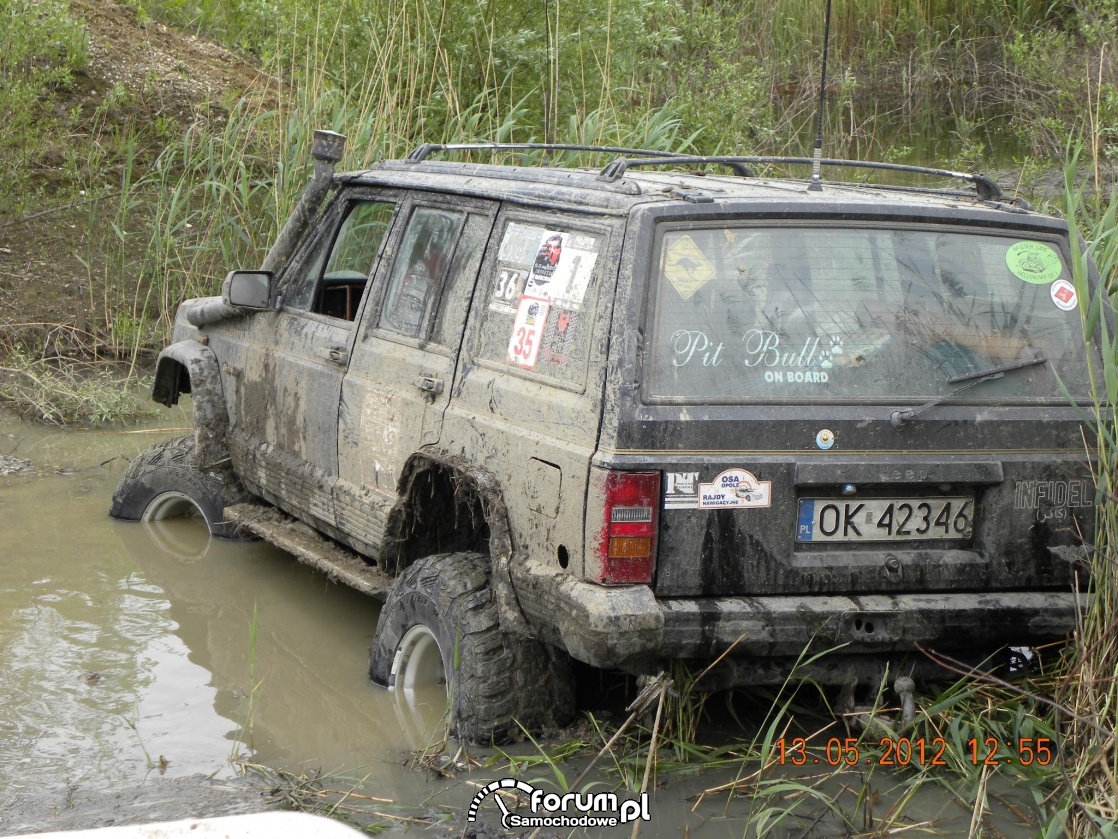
[(1033, 262)]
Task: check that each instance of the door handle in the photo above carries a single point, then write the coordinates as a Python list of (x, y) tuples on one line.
[(429, 385), (337, 355)]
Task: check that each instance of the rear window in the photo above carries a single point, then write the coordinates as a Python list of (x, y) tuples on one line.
[(849, 313)]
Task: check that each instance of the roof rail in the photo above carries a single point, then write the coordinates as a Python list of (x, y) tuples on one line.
[(987, 188), (422, 152)]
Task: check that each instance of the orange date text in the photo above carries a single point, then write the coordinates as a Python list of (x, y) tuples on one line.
[(899, 751)]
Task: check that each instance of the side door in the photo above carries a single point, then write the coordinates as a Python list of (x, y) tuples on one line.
[(285, 437), (404, 358)]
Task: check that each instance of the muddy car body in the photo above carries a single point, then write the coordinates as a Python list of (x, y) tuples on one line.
[(642, 415)]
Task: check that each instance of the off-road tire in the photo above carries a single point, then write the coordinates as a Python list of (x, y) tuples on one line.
[(495, 680), (169, 470)]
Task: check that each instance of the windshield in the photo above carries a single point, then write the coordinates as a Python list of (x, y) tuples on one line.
[(849, 313)]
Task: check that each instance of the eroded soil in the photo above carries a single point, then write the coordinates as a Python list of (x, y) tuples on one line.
[(141, 73)]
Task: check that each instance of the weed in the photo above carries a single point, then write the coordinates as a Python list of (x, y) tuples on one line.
[(1090, 748), (63, 391), (42, 46), (245, 734)]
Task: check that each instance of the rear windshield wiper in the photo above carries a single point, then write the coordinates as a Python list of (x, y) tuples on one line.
[(902, 416)]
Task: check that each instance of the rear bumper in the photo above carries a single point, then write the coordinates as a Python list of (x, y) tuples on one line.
[(628, 628)]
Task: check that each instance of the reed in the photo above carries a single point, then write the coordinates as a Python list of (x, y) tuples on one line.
[(1089, 690)]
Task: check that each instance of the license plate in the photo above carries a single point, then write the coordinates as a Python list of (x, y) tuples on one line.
[(884, 519)]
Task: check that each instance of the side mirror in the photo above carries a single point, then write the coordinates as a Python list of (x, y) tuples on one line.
[(248, 289)]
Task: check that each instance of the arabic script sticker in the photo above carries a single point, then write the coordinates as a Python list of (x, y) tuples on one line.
[(1063, 295), (1033, 262)]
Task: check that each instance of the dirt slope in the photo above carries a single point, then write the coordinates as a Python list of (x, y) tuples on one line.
[(143, 74)]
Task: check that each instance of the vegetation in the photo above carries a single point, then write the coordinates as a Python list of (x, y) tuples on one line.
[(1087, 698), (164, 208)]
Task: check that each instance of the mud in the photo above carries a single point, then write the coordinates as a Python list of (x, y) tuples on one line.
[(14, 466)]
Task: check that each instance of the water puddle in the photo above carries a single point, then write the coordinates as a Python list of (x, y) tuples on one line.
[(136, 651)]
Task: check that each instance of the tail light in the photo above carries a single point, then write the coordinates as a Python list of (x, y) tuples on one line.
[(625, 548)]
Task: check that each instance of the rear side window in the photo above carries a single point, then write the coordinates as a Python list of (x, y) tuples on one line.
[(770, 313), (540, 300), (419, 271)]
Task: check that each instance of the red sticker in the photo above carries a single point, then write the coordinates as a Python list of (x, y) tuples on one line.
[(1063, 295)]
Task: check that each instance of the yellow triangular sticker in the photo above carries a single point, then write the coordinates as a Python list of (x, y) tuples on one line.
[(686, 267)]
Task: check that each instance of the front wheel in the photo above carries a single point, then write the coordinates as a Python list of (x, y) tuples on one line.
[(164, 482), (440, 628)]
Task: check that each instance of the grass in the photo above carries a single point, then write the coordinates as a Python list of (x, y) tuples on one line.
[(1090, 687), (245, 734), (68, 392), (749, 776)]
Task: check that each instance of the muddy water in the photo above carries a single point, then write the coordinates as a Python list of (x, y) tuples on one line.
[(131, 654), (122, 645)]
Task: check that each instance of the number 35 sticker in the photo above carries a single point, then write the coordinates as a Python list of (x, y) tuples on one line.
[(527, 329)]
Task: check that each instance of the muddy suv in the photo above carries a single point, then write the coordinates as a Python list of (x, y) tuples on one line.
[(642, 414)]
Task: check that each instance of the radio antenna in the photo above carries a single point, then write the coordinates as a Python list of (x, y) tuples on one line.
[(817, 162)]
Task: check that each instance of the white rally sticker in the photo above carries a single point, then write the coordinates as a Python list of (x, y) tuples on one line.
[(562, 268), (527, 331), (735, 489), (1063, 295)]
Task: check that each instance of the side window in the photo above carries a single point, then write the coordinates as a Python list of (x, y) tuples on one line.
[(541, 297), (420, 270), (460, 281), (332, 279)]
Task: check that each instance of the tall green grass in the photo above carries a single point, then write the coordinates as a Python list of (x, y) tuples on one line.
[(1090, 688)]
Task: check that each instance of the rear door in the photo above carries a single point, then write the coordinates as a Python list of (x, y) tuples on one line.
[(528, 396), (402, 369)]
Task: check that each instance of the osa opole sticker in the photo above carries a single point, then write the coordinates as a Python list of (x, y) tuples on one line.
[(735, 489)]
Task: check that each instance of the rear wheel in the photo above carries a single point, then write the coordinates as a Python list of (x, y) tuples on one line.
[(164, 482), (440, 629)]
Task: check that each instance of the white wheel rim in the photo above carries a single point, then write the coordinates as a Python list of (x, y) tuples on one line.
[(169, 505), (419, 661), (191, 542), (419, 687)]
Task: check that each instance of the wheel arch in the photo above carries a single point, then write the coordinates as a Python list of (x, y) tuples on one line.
[(433, 484), (191, 367)]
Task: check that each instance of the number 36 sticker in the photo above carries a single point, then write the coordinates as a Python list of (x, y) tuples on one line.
[(527, 329)]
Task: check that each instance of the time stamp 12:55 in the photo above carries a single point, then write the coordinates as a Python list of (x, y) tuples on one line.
[(904, 751)]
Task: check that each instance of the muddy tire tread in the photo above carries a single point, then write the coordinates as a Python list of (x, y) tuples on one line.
[(502, 681), (171, 466)]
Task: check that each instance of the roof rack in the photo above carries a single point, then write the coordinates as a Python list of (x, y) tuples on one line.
[(421, 153), (987, 188)]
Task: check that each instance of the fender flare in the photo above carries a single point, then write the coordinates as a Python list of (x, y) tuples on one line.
[(485, 485), (191, 367)]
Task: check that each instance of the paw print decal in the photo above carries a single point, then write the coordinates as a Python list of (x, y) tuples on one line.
[(834, 347)]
